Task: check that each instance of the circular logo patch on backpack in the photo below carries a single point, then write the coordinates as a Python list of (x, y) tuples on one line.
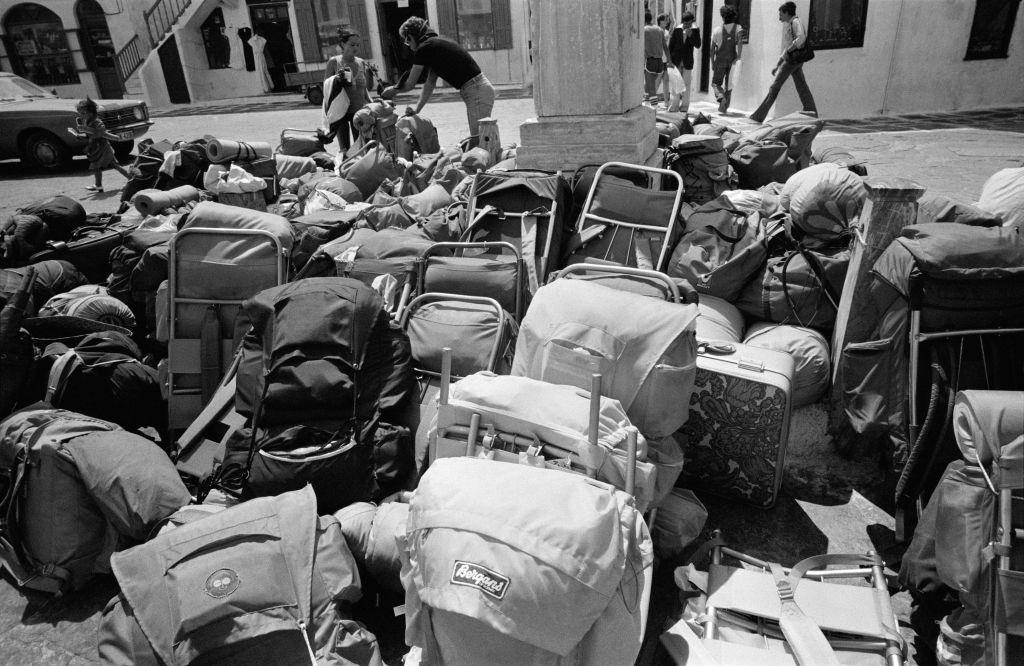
[(221, 583)]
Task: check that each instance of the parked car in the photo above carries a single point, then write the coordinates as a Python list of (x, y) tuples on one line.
[(34, 124)]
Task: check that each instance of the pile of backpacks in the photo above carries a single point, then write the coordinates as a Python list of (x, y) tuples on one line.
[(273, 393)]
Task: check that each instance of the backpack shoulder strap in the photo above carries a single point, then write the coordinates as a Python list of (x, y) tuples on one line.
[(62, 369)]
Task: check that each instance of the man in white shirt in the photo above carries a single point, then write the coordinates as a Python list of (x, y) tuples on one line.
[(794, 35)]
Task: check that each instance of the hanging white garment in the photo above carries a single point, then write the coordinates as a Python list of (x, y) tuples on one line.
[(258, 43)]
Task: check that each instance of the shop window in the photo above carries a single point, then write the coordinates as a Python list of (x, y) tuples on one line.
[(38, 46), (478, 25), (218, 48), (991, 29), (837, 24)]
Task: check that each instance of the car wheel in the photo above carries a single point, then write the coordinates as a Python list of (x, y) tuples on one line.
[(44, 151), (315, 96), (123, 150)]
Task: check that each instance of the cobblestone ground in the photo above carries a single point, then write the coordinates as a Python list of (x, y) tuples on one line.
[(828, 504)]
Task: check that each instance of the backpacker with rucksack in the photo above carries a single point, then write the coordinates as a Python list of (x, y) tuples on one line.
[(703, 165), (72, 487), (267, 581)]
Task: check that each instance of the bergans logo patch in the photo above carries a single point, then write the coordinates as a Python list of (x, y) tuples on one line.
[(489, 582), (222, 583)]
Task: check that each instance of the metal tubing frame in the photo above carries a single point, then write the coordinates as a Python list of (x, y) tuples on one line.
[(586, 215), (172, 279), (435, 296), (573, 269)]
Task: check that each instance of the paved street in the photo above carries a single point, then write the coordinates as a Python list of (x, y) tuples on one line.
[(827, 504)]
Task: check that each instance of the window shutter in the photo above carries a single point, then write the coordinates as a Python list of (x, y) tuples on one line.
[(309, 36), (501, 18), (357, 19), (447, 25)]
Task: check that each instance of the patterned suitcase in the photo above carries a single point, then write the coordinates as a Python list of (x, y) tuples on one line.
[(735, 438)]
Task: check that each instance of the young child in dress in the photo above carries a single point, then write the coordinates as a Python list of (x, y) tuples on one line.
[(99, 151)]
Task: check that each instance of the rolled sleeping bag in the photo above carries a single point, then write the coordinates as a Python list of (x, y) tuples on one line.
[(153, 202), (293, 166), (221, 151), (718, 319), (90, 302), (984, 422), (810, 352), (370, 532)]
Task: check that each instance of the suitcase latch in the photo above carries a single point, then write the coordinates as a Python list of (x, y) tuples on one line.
[(750, 364)]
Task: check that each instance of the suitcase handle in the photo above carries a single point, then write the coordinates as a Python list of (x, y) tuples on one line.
[(716, 348)]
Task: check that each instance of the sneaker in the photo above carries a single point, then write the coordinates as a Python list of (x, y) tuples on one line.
[(93, 188)]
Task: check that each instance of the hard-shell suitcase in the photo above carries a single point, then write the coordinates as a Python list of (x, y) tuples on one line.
[(735, 438)]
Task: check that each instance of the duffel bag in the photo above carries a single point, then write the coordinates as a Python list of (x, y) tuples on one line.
[(61, 214), (762, 162), (21, 236), (722, 249), (264, 582), (703, 164), (52, 277), (798, 287), (69, 479), (300, 143), (88, 247), (823, 201)]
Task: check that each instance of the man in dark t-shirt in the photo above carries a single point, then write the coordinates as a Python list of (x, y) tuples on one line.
[(450, 61)]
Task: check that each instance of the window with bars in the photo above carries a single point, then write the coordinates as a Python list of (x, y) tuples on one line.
[(478, 25)]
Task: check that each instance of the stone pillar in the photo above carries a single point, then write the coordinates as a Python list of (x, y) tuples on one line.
[(890, 206), (588, 83)]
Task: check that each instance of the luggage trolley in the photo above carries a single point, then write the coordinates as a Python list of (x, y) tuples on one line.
[(211, 272), (490, 269), (647, 217), (636, 280), (751, 616), (984, 310)]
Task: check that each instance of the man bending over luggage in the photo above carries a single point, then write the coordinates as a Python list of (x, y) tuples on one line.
[(448, 60)]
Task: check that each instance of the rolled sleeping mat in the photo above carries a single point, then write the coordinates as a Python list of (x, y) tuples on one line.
[(90, 302), (810, 352), (293, 166), (221, 151), (153, 202), (986, 422), (718, 319)]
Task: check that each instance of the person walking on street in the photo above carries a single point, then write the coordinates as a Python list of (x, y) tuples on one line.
[(450, 61), (655, 56), (684, 40), (99, 151), (726, 49), (358, 79), (794, 36), (666, 23)]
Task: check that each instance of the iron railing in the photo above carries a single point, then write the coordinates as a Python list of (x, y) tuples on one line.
[(162, 16), (128, 59)]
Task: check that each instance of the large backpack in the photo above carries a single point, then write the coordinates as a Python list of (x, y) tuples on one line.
[(511, 564), (722, 249), (61, 214), (70, 483), (702, 162), (267, 581)]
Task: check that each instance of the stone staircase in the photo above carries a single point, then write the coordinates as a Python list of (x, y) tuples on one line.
[(159, 21)]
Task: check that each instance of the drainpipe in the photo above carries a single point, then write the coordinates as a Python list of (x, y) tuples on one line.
[(892, 60)]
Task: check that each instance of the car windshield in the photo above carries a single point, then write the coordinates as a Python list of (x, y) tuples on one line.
[(13, 88)]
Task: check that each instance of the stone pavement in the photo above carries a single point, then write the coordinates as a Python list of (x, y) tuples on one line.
[(827, 503)]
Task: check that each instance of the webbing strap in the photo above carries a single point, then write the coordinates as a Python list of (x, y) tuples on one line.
[(803, 635), (528, 246), (57, 381), (209, 353)]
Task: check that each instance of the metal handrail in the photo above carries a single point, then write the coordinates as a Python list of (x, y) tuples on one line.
[(162, 16), (128, 59)]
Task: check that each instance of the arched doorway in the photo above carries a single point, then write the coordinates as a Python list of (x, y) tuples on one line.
[(38, 46), (98, 48)]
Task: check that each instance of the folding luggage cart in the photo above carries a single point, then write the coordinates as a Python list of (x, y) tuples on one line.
[(492, 269), (525, 208), (212, 270), (647, 218), (787, 616), (637, 280)]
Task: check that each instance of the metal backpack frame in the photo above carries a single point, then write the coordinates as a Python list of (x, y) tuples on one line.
[(209, 354)]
